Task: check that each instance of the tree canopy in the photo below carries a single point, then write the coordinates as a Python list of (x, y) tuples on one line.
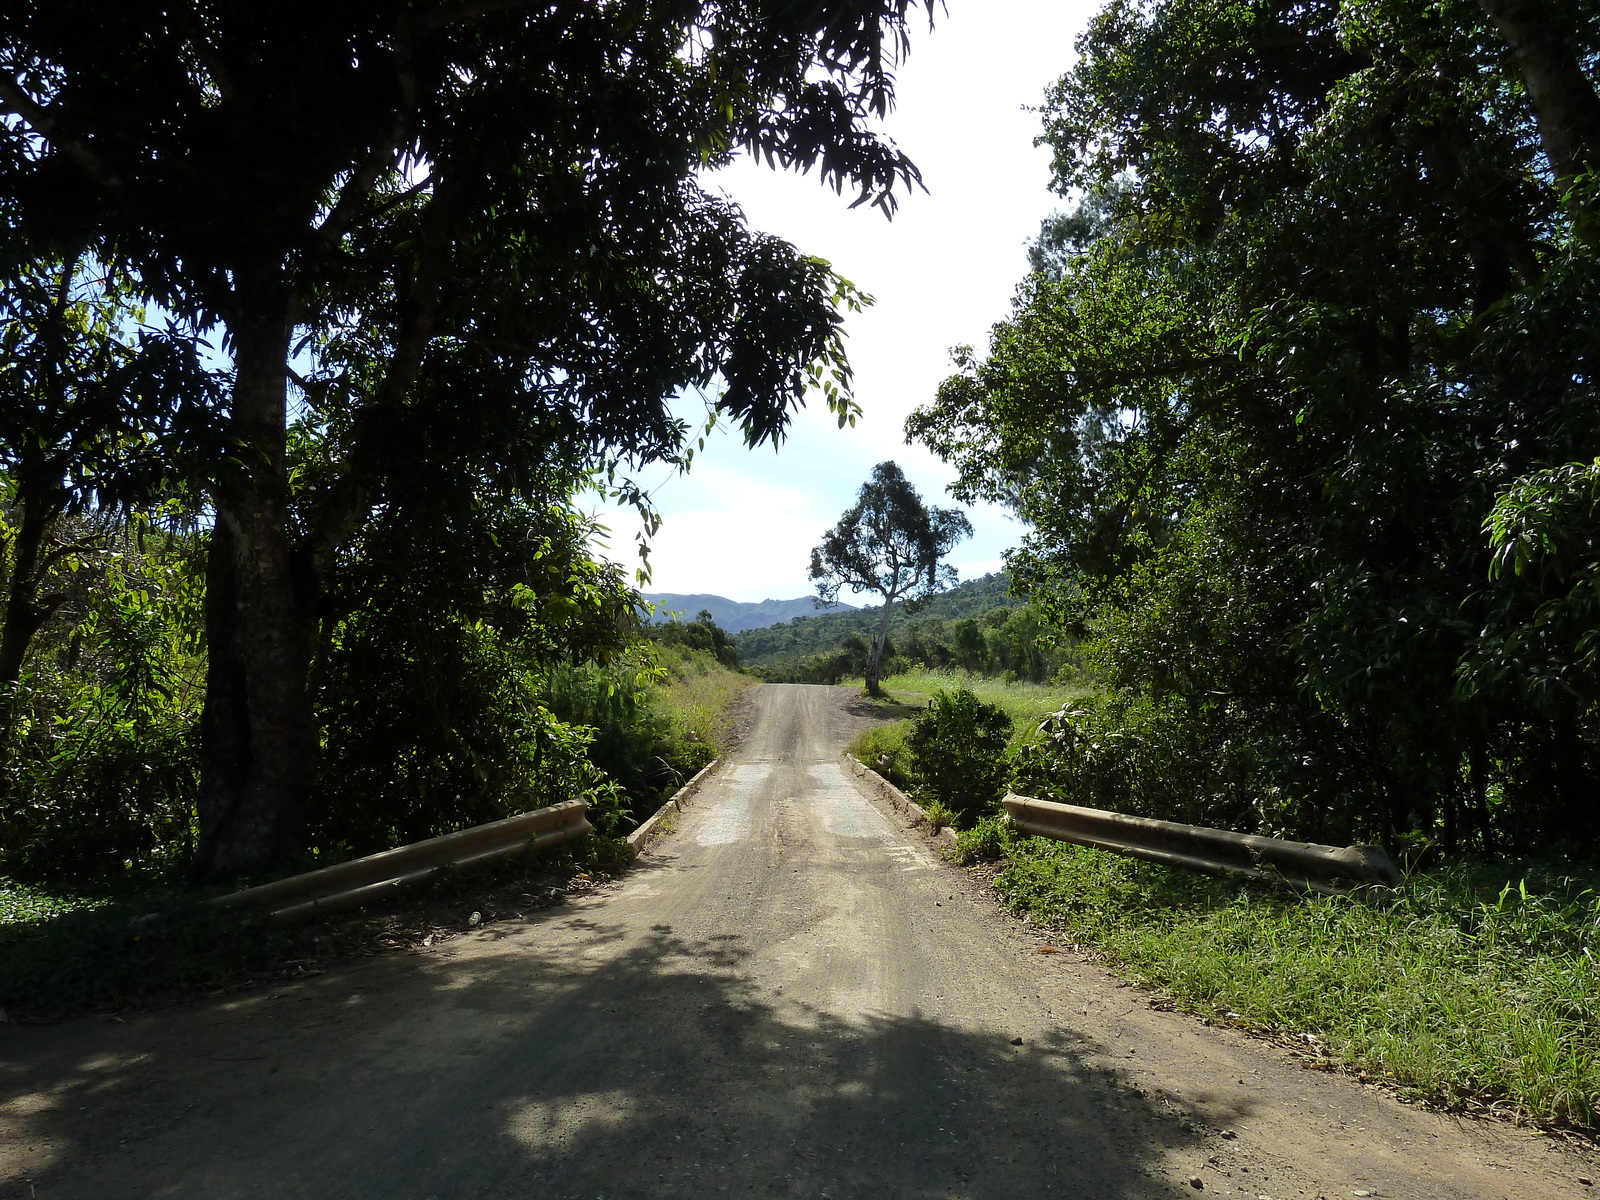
[(434, 233), (890, 543), (1304, 372)]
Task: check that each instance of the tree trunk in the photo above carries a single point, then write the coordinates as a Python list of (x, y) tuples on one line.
[(875, 655), (257, 734), (1564, 101)]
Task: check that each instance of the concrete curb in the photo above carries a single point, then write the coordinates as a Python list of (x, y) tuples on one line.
[(945, 837), (642, 838)]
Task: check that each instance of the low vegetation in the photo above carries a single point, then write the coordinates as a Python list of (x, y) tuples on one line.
[(145, 935), (701, 694), (1024, 701), (889, 747), (1472, 986)]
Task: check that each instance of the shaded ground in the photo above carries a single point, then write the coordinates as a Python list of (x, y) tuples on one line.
[(791, 997)]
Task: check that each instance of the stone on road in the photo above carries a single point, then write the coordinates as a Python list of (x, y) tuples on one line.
[(791, 995)]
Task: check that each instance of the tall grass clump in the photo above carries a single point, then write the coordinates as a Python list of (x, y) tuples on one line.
[(1469, 985), (1025, 703), (700, 693)]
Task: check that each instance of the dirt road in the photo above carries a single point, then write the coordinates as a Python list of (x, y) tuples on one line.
[(791, 996)]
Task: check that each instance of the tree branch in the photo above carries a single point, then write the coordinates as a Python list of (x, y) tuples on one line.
[(353, 196), (188, 21), (44, 123), (1565, 105), (352, 496)]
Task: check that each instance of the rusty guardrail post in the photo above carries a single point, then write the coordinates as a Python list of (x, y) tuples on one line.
[(1331, 869)]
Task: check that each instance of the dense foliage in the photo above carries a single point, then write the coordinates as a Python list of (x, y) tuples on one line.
[(702, 633), (958, 746), (1289, 403), (354, 300), (440, 234)]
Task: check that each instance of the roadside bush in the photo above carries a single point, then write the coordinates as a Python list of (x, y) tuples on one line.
[(958, 751), (429, 732), (1221, 762), (113, 796), (99, 746), (984, 842), (633, 740)]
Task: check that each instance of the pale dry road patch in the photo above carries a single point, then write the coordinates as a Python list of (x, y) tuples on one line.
[(791, 996)]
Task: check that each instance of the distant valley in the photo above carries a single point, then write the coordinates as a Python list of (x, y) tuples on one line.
[(737, 616)]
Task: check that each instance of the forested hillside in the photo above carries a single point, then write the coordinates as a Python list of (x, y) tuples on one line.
[(976, 626), (1300, 405)]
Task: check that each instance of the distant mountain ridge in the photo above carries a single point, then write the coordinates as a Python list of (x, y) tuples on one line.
[(736, 615)]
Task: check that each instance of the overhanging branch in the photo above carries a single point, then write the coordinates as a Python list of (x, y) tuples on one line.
[(44, 123)]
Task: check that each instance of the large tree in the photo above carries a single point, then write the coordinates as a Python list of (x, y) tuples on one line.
[(891, 543), (1333, 296), (496, 198)]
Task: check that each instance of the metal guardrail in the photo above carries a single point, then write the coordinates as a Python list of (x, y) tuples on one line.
[(1329, 869), (377, 877)]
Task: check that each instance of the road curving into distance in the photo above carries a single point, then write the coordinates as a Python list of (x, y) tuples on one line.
[(791, 995)]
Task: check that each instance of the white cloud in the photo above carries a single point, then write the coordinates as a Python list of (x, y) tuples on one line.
[(742, 523), (749, 541)]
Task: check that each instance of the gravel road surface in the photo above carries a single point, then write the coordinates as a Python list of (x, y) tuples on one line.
[(791, 995)]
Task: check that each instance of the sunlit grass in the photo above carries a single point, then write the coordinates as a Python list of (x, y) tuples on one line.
[(1467, 985), (700, 694), (1025, 703)]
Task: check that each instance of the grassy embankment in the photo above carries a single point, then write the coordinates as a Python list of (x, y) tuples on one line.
[(700, 693), (68, 949), (1024, 703), (1472, 986)]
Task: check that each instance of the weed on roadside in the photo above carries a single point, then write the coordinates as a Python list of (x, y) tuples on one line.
[(1469, 986)]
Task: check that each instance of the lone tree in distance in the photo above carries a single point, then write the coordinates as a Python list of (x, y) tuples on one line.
[(888, 542)]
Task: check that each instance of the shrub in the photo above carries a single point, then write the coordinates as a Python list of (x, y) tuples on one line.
[(958, 750), (984, 842)]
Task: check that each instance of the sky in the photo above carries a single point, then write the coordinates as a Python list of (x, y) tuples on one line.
[(741, 523)]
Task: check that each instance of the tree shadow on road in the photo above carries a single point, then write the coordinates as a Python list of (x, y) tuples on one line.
[(656, 1070)]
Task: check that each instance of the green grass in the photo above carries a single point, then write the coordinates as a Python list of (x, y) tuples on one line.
[(1473, 985), (700, 694), (1024, 703)]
